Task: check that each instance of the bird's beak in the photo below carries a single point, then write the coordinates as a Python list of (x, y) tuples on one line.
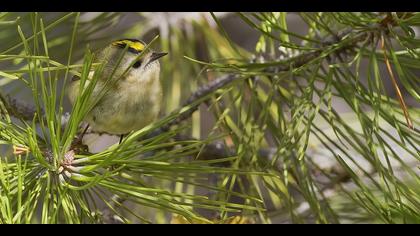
[(157, 55)]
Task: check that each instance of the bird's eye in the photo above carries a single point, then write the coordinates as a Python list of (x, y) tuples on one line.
[(137, 64)]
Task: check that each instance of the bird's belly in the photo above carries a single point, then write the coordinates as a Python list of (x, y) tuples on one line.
[(125, 112)]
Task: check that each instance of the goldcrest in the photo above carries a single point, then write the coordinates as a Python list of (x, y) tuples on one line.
[(134, 100)]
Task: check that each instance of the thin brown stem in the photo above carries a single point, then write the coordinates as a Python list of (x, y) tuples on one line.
[(394, 83)]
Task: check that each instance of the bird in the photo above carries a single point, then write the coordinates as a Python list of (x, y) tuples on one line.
[(134, 100)]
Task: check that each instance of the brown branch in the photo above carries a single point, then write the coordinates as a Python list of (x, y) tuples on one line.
[(201, 92), (17, 108), (21, 110), (295, 62)]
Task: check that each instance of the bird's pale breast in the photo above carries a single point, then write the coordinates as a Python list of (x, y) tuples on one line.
[(128, 108)]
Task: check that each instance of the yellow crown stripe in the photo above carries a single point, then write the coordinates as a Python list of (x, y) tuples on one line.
[(138, 46)]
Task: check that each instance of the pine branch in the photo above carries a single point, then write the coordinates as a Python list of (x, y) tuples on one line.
[(295, 62), (201, 92), (21, 110), (17, 108)]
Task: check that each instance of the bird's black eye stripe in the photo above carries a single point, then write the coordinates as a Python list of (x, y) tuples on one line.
[(137, 64)]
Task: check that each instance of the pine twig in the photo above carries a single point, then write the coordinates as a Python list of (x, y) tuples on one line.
[(201, 92), (17, 108)]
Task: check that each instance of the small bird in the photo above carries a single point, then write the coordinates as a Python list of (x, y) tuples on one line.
[(134, 100)]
